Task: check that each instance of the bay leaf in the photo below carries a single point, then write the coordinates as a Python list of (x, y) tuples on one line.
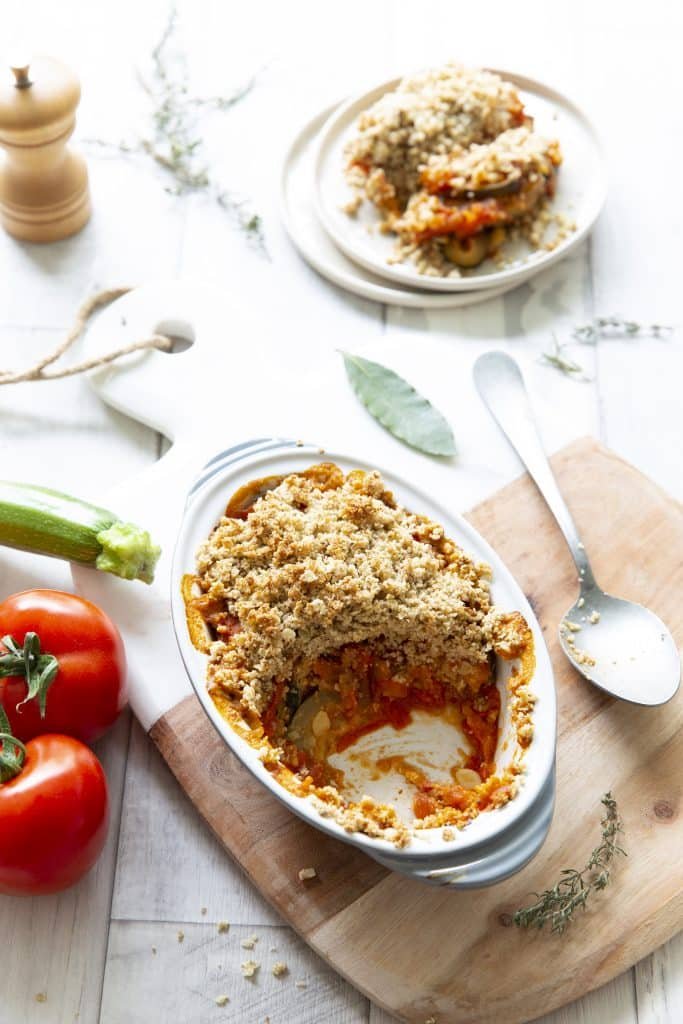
[(399, 407)]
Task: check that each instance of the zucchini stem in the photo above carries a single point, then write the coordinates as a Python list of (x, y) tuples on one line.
[(51, 523)]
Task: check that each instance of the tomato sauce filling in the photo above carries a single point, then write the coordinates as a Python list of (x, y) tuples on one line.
[(336, 699)]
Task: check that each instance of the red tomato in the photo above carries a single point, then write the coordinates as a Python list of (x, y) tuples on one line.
[(90, 689), (54, 817)]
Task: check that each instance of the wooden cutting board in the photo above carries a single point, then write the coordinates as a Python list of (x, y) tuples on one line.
[(456, 957), (425, 952)]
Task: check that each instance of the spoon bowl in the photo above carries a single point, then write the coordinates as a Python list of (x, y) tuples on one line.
[(619, 646)]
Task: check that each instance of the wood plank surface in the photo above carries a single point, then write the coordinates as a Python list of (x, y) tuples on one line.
[(621, 61), (394, 938)]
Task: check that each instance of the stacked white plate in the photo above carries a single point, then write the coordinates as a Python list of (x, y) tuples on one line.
[(352, 253)]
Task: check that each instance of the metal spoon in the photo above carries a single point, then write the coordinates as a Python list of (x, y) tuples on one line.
[(620, 646)]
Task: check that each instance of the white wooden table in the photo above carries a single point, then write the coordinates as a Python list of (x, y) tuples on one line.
[(109, 950)]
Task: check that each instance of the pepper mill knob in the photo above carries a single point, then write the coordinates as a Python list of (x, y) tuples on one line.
[(44, 192), (21, 76)]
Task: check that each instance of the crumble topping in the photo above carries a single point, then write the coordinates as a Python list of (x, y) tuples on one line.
[(315, 567), (428, 114), (493, 163)]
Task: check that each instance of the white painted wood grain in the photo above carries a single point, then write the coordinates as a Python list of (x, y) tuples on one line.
[(659, 984), (169, 865), (181, 980), (640, 381), (56, 945), (614, 1003), (60, 435), (622, 61)]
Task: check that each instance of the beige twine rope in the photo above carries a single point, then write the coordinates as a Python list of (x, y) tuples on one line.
[(41, 372)]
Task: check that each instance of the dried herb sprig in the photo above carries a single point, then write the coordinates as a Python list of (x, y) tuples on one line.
[(600, 327), (561, 362), (174, 142), (617, 327), (556, 906)]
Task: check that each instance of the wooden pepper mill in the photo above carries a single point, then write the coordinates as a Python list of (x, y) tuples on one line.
[(43, 185)]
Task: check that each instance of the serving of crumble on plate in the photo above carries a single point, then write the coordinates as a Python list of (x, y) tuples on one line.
[(455, 178)]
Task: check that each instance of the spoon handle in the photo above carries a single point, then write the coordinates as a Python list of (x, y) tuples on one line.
[(500, 383)]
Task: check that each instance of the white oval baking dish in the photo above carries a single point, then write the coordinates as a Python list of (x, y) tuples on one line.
[(498, 842)]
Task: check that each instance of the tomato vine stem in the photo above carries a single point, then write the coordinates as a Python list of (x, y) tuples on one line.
[(38, 669), (12, 750)]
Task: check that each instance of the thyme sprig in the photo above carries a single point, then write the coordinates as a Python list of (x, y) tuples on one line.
[(174, 142), (617, 327), (600, 327), (561, 362), (556, 906)]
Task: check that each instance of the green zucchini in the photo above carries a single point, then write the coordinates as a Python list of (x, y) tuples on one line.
[(50, 523)]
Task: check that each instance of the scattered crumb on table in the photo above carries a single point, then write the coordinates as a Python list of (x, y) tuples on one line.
[(223, 927), (203, 911), (181, 936), (280, 969), (301, 983), (41, 997), (249, 968), (250, 942), (594, 617), (222, 1000)]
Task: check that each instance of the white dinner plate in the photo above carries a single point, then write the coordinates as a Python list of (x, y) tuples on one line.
[(581, 192), (318, 249)]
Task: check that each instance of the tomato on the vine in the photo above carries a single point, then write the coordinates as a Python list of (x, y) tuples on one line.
[(62, 666), (54, 813)]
